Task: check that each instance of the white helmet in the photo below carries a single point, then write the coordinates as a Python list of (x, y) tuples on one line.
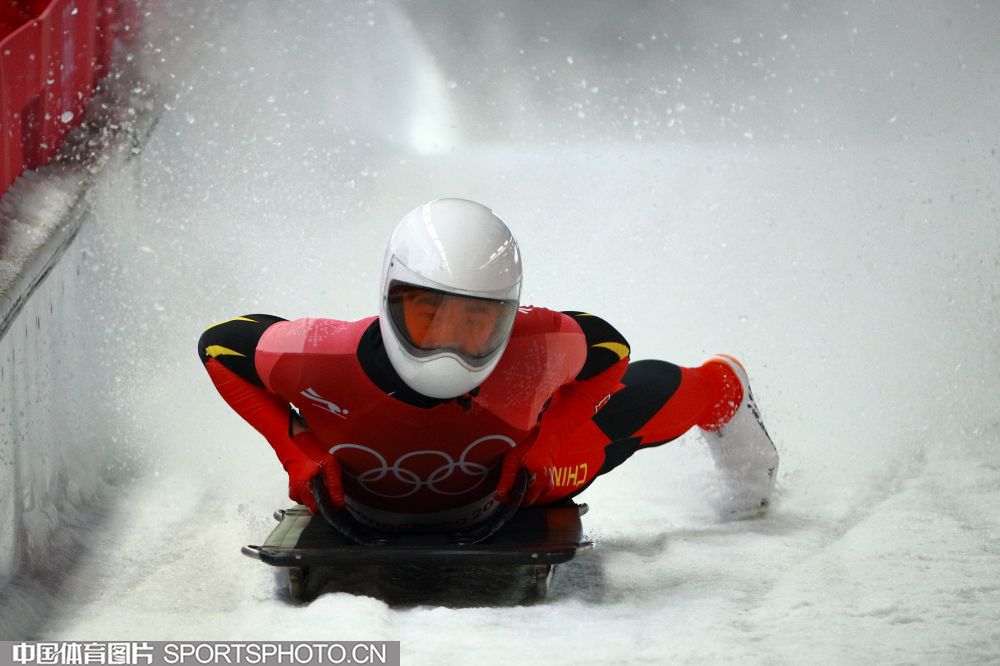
[(451, 280)]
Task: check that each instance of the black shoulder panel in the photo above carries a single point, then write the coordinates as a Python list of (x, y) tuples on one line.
[(234, 342), (605, 345)]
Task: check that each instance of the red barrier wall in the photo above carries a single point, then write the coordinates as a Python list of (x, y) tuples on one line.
[(51, 54)]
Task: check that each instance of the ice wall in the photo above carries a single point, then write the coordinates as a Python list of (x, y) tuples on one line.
[(58, 423), (44, 429)]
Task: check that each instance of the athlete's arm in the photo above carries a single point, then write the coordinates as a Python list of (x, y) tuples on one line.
[(575, 402), (227, 351)]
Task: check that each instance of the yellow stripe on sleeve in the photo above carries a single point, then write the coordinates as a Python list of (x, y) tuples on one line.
[(621, 350), (218, 350)]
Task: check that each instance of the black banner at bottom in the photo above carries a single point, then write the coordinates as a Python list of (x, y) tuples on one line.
[(191, 653)]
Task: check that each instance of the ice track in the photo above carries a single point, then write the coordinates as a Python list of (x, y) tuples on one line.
[(812, 189)]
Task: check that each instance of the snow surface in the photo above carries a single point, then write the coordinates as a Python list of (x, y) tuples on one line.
[(812, 188)]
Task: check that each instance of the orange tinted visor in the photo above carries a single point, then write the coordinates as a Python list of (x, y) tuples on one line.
[(430, 321)]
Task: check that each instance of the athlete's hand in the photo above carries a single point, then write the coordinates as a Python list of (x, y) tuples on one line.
[(300, 461), (538, 460), (300, 471), (329, 469)]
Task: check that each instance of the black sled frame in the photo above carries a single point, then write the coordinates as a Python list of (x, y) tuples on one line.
[(533, 538)]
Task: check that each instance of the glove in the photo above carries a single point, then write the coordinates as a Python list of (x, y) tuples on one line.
[(301, 469), (538, 460), (299, 474)]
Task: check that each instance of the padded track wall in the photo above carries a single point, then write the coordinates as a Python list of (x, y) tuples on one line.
[(51, 55)]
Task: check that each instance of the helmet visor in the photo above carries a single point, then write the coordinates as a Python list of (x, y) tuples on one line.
[(430, 321)]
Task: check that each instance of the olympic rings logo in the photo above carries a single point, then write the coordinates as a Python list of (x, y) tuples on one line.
[(476, 472)]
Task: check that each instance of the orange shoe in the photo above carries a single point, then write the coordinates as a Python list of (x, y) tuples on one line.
[(744, 453)]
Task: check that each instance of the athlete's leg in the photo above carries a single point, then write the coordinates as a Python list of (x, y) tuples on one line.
[(660, 401)]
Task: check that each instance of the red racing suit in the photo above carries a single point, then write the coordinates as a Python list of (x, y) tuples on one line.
[(410, 461)]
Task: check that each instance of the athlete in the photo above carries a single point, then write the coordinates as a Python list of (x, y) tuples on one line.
[(421, 417)]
